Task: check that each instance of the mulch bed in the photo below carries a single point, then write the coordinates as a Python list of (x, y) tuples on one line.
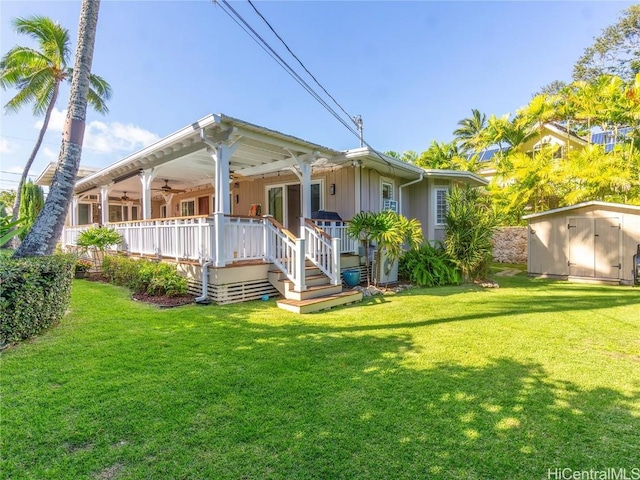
[(158, 300), (163, 301)]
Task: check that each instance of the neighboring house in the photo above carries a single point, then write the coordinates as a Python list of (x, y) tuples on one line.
[(592, 240), (554, 134), (245, 210)]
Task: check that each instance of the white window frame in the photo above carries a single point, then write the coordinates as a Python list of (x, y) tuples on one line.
[(187, 200), (436, 190), (386, 181)]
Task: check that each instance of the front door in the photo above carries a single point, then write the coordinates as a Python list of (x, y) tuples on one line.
[(203, 205)]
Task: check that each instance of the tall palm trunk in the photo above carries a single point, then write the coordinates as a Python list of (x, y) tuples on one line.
[(34, 152), (45, 233)]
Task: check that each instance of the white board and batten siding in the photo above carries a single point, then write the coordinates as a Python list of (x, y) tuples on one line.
[(593, 240)]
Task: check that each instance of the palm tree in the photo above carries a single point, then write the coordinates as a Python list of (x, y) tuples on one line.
[(37, 75), (469, 134), (44, 234)]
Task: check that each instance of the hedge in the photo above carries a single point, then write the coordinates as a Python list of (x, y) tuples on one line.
[(34, 294), (144, 276)]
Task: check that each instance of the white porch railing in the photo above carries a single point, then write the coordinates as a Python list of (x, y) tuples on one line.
[(338, 229), (70, 234), (285, 251), (188, 238), (244, 238), (323, 251)]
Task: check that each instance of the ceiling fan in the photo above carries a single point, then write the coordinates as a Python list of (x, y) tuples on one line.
[(124, 197), (167, 189)]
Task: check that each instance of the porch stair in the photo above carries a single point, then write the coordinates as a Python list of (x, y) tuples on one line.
[(319, 295)]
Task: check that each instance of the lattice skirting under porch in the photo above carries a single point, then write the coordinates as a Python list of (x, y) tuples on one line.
[(234, 292)]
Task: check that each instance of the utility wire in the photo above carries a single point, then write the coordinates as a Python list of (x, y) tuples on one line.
[(265, 46), (300, 61), (256, 37)]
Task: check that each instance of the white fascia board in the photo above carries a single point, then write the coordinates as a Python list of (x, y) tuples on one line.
[(365, 153), (456, 174), (592, 203)]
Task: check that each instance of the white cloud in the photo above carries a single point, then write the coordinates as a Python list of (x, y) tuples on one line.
[(7, 147), (106, 137), (50, 153)]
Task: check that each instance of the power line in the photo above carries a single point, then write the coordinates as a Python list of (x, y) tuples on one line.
[(256, 37), (300, 62), (265, 46)]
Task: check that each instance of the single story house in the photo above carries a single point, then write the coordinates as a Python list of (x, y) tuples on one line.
[(588, 241), (247, 211)]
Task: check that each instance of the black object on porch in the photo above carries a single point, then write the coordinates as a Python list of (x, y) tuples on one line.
[(324, 215)]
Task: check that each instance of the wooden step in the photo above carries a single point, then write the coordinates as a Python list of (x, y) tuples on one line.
[(313, 292), (320, 303)]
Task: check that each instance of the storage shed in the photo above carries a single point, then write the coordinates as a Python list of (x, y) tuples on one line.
[(592, 240)]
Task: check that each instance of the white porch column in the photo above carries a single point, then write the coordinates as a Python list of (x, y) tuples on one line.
[(221, 148), (74, 211), (104, 204), (146, 177)]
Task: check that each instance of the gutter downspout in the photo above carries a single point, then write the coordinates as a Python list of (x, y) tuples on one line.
[(406, 185), (203, 299)]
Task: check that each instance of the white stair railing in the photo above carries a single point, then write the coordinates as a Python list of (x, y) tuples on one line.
[(323, 251), (285, 251), (338, 229)]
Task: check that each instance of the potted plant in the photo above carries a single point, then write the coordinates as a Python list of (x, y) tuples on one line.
[(82, 267)]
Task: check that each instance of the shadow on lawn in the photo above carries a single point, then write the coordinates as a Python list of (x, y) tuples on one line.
[(236, 399), (286, 402)]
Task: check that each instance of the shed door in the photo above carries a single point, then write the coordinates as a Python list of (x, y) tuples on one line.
[(607, 247), (594, 247), (581, 253)]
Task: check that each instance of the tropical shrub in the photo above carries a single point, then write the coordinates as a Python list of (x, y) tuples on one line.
[(9, 229), (471, 223), (390, 231), (34, 294), (144, 276), (429, 266), (32, 201), (97, 240)]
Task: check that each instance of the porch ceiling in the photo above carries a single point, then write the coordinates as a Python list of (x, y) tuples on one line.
[(182, 158)]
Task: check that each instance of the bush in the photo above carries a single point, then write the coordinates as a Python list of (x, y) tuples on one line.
[(34, 294), (429, 266), (471, 223), (144, 276)]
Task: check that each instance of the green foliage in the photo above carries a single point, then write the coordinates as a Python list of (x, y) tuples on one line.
[(8, 198), (32, 201), (144, 276), (429, 266), (9, 229), (34, 294), (471, 223), (616, 51), (99, 238), (388, 230)]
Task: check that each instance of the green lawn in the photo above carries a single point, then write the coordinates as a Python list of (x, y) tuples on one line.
[(445, 383)]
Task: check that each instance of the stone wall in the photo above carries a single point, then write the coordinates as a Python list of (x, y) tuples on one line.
[(510, 245)]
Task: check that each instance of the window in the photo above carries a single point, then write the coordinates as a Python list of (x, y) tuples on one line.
[(163, 211), (316, 199), (441, 205), (387, 191), (134, 213), (115, 213), (188, 207), (276, 197), (84, 214)]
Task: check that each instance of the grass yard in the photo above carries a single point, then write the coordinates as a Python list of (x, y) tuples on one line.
[(443, 383)]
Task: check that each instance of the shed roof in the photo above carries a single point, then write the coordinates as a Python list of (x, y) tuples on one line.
[(592, 203)]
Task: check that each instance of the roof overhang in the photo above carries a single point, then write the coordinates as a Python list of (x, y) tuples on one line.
[(259, 151), (46, 177), (593, 203), (384, 164), (469, 178)]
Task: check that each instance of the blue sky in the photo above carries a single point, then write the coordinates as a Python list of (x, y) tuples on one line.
[(411, 69)]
